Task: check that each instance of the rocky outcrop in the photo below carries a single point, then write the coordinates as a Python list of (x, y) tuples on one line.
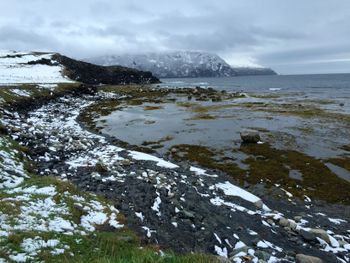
[(94, 74)]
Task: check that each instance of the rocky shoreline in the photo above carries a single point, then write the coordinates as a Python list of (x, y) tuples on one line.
[(181, 207)]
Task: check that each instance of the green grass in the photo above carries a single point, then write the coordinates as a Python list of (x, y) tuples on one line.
[(104, 245)]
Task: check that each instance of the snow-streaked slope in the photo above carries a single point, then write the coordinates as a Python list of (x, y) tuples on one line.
[(25, 67), (171, 64), (180, 64)]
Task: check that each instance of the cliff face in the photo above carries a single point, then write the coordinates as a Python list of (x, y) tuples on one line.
[(179, 64), (93, 74)]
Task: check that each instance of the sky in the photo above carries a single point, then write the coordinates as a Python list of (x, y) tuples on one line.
[(290, 36)]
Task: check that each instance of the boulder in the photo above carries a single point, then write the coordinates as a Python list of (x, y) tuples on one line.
[(283, 222), (321, 234), (250, 136), (308, 236), (259, 204), (301, 258)]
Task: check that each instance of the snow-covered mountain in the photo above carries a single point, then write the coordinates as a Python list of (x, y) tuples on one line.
[(179, 64)]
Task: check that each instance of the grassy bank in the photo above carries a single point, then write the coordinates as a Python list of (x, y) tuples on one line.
[(44, 218)]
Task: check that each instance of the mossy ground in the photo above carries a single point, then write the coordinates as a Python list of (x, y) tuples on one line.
[(343, 162), (272, 166), (7, 97)]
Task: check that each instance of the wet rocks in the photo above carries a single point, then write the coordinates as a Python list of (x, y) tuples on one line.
[(301, 258), (250, 136)]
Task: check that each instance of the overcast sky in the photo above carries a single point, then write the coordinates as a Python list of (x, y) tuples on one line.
[(290, 36)]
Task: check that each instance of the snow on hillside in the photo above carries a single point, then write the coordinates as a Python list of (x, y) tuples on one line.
[(180, 64), (171, 64), (16, 69)]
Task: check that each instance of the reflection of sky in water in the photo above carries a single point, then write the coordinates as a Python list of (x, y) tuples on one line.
[(135, 125)]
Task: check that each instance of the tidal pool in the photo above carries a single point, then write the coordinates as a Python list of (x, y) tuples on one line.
[(218, 125), (299, 140)]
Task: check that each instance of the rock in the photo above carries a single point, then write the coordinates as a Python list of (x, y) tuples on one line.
[(259, 204), (308, 236), (187, 214), (125, 162), (173, 150), (321, 234), (250, 136), (288, 229), (293, 225), (341, 104), (298, 218), (342, 243), (301, 258), (238, 250), (283, 222), (262, 255), (270, 221)]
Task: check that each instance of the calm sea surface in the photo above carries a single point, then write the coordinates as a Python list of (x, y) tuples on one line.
[(291, 83)]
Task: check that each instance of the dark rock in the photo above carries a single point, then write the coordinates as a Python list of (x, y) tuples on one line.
[(307, 235), (250, 136), (94, 74), (262, 255)]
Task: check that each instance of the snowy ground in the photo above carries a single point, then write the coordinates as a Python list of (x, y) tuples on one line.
[(185, 209), (14, 69), (27, 209)]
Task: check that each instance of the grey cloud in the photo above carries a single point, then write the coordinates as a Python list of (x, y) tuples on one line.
[(291, 35), (14, 38)]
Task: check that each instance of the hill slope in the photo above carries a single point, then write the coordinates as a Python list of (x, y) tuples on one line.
[(35, 67)]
